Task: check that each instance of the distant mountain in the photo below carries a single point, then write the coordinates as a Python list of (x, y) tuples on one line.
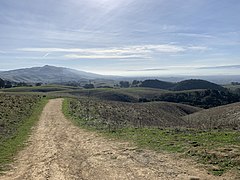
[(182, 85), (47, 74), (196, 84)]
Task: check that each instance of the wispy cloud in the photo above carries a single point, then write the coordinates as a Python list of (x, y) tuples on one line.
[(136, 51), (195, 35), (76, 56), (148, 69), (221, 67), (198, 48), (163, 48), (45, 55)]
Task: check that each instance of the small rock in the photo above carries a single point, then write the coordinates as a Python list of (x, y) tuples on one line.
[(194, 178)]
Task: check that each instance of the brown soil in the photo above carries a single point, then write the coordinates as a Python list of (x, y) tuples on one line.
[(59, 150)]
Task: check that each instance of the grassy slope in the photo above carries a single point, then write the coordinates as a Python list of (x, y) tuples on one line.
[(12, 144), (221, 117), (123, 94), (218, 150), (112, 114)]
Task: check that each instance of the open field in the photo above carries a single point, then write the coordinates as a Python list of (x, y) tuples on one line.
[(18, 113)]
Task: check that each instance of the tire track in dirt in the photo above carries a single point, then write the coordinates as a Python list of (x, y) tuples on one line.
[(58, 150)]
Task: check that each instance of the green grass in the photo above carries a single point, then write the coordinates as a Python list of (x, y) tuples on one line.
[(12, 144), (214, 148), (218, 150), (41, 89)]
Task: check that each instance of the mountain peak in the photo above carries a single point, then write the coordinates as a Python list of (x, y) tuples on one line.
[(47, 74)]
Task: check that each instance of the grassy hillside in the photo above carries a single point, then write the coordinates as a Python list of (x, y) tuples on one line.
[(199, 98), (113, 115), (18, 113), (158, 126), (123, 94), (222, 117)]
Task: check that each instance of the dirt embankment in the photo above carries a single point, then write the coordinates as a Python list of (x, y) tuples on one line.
[(59, 150)]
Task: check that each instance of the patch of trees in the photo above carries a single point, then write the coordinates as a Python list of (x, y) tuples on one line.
[(9, 84), (136, 83), (205, 99), (38, 84), (124, 84), (2, 83), (235, 83), (5, 84), (88, 86)]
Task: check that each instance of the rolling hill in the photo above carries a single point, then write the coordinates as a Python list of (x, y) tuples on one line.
[(227, 116), (47, 74), (190, 84), (196, 84), (119, 114)]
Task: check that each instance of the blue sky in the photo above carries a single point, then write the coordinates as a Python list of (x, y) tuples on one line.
[(122, 37)]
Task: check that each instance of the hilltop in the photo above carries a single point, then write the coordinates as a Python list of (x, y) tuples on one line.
[(190, 84), (197, 84)]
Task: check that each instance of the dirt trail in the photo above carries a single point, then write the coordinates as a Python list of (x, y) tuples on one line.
[(59, 150)]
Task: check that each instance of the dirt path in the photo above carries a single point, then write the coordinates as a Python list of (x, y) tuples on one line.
[(59, 150)]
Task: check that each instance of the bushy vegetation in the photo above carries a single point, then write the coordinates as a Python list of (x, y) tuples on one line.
[(10, 84), (17, 115), (203, 98)]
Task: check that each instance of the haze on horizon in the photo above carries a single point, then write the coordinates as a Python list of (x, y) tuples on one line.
[(122, 37)]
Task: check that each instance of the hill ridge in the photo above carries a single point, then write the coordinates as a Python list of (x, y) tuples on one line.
[(47, 74)]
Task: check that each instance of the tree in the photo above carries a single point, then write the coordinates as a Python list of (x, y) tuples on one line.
[(2, 83), (135, 83), (124, 84), (8, 84), (88, 86), (38, 84)]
